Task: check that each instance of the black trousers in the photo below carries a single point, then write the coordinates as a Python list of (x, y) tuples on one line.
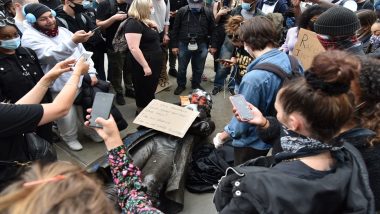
[(145, 86), (243, 154)]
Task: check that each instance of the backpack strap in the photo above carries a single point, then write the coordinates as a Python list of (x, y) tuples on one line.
[(63, 21), (273, 69), (294, 65)]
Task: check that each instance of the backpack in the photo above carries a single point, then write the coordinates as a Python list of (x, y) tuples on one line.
[(119, 43), (284, 76), (279, 72)]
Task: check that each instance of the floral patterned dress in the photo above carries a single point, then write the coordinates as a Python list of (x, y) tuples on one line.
[(127, 178)]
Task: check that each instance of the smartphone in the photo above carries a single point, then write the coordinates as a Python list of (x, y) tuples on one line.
[(86, 55), (101, 107), (95, 29), (224, 60), (239, 102)]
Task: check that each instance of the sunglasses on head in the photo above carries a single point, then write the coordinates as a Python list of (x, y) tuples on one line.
[(233, 37), (4, 21)]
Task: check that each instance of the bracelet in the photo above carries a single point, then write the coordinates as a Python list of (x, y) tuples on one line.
[(266, 122)]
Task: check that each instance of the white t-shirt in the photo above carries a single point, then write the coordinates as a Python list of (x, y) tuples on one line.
[(268, 8)]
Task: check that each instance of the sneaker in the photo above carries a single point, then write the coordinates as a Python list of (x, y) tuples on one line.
[(197, 86), (173, 72), (94, 137), (130, 92), (216, 90), (179, 90), (74, 145), (120, 99)]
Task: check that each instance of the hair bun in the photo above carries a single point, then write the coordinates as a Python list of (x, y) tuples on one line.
[(333, 89)]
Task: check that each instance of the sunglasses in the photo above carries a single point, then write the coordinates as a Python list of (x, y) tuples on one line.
[(233, 37)]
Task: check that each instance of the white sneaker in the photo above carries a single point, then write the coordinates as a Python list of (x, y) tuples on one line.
[(74, 145), (94, 137)]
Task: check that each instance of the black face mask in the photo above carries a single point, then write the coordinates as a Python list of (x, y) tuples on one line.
[(78, 8)]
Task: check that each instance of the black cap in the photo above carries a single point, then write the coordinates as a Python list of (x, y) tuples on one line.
[(337, 21), (36, 9)]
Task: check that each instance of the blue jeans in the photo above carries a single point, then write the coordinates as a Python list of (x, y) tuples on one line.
[(221, 71), (198, 60)]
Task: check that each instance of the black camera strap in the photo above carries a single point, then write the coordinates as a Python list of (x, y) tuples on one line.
[(188, 20)]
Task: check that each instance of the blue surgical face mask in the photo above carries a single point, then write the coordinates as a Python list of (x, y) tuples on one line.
[(195, 10), (246, 6), (11, 44), (86, 4)]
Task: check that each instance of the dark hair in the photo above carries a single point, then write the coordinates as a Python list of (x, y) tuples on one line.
[(304, 20), (366, 17), (325, 105), (369, 81), (258, 32)]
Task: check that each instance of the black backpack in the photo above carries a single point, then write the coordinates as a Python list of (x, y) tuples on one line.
[(284, 76)]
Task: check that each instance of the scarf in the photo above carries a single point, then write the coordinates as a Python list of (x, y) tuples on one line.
[(295, 145), (49, 33), (338, 42), (375, 41)]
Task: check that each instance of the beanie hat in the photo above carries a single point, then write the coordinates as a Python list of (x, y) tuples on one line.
[(337, 21), (36, 9)]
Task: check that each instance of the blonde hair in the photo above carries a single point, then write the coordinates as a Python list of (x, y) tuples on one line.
[(75, 193), (140, 10)]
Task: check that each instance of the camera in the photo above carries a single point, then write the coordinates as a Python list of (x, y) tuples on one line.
[(192, 46)]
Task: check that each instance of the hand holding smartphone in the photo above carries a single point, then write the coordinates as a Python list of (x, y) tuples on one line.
[(95, 29), (101, 107), (239, 102), (86, 55)]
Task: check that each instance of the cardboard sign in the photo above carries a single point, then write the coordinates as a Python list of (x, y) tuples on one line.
[(307, 47), (166, 117)]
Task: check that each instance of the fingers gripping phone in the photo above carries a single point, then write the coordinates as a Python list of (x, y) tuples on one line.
[(86, 55), (101, 107), (95, 29), (239, 102)]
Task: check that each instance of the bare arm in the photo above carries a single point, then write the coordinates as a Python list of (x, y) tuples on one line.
[(108, 22), (133, 40), (64, 100)]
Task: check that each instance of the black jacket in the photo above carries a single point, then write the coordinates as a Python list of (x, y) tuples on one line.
[(185, 22), (19, 73), (95, 42), (253, 189)]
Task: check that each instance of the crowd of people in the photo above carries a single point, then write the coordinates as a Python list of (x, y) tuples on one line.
[(315, 132)]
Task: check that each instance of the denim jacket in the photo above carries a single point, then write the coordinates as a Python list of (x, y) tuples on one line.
[(259, 88)]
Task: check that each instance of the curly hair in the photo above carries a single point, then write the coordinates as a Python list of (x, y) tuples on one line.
[(369, 81), (233, 23), (304, 21)]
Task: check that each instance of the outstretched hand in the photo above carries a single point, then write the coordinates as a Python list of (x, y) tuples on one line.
[(110, 133), (59, 68)]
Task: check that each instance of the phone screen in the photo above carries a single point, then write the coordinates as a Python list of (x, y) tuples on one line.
[(239, 102), (101, 107)]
